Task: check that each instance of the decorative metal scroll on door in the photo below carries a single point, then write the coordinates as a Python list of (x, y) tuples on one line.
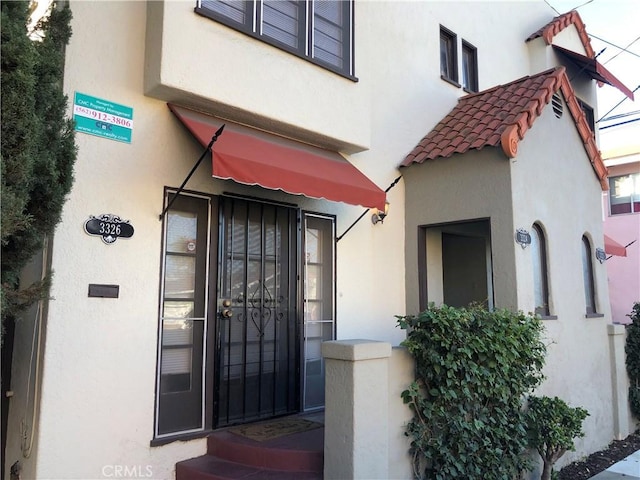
[(262, 308), (257, 352)]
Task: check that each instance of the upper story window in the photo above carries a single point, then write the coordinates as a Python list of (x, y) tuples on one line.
[(588, 113), (469, 67), (448, 55), (587, 275), (320, 31), (449, 61), (624, 194), (540, 274)]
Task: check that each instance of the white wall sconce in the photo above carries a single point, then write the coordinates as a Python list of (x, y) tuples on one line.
[(379, 216)]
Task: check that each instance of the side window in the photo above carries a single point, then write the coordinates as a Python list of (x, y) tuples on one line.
[(180, 379), (588, 113), (540, 273), (319, 302), (448, 55), (624, 194), (469, 67), (587, 275)]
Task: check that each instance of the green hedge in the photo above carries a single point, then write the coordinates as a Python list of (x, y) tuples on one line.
[(632, 349), (473, 370)]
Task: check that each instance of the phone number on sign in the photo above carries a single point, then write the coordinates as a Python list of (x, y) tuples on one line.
[(102, 116)]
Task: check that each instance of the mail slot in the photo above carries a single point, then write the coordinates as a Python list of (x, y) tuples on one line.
[(104, 291)]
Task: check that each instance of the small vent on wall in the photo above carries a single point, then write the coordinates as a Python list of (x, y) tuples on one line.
[(556, 104)]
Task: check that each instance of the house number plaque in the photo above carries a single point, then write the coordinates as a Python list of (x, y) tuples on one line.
[(108, 226)]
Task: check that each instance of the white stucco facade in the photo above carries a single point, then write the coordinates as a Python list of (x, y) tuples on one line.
[(99, 360)]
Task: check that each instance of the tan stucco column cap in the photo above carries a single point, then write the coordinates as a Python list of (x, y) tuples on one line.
[(616, 329), (355, 350)]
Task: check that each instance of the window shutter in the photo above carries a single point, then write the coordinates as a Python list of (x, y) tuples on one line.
[(281, 21), (231, 9), (329, 31)]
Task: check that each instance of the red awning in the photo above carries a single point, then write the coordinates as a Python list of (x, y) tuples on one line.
[(611, 247), (253, 157), (594, 69)]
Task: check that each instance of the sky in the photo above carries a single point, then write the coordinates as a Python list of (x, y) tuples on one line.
[(612, 24)]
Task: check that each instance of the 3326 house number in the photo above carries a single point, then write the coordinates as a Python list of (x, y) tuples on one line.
[(108, 226)]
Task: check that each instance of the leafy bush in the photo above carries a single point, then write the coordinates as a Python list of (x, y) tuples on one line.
[(632, 349), (473, 369), (552, 426), (37, 146)]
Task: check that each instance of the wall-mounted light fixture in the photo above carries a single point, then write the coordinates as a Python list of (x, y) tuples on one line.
[(379, 216)]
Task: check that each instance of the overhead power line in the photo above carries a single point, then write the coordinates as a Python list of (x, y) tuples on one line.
[(617, 105), (620, 115), (625, 49), (617, 46), (620, 123)]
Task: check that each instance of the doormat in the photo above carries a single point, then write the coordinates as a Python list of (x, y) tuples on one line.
[(261, 432)]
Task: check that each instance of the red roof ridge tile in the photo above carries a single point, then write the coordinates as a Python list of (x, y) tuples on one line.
[(506, 122), (561, 22)]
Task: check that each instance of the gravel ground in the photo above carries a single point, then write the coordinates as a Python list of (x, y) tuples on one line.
[(599, 461)]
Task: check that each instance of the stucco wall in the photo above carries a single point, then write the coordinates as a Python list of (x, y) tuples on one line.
[(554, 184), (225, 70), (100, 355), (401, 374), (460, 188), (100, 358)]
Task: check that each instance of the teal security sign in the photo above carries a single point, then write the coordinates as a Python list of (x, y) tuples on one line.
[(103, 118)]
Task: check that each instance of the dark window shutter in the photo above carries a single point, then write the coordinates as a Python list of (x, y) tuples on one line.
[(232, 9), (281, 21), (330, 32)]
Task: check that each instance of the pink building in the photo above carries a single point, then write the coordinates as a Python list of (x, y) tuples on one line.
[(621, 207)]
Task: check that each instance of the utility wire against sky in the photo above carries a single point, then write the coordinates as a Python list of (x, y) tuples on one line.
[(625, 49), (617, 46), (617, 105)]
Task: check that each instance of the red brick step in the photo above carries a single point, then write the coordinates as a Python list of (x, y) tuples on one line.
[(298, 456)]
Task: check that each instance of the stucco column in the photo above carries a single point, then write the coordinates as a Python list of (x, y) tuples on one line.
[(620, 382), (356, 440)]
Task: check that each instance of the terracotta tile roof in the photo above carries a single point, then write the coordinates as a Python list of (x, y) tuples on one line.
[(561, 22), (501, 117)]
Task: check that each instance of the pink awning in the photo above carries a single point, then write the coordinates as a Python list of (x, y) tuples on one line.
[(611, 247), (253, 157)]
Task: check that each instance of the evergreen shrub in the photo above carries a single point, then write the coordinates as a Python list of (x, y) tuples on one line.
[(632, 349), (474, 368)]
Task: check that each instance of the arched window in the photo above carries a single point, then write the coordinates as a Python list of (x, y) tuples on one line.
[(587, 275), (540, 275)]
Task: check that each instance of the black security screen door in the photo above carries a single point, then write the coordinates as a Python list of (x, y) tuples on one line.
[(257, 348)]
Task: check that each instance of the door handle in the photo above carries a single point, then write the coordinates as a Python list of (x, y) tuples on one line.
[(226, 312)]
